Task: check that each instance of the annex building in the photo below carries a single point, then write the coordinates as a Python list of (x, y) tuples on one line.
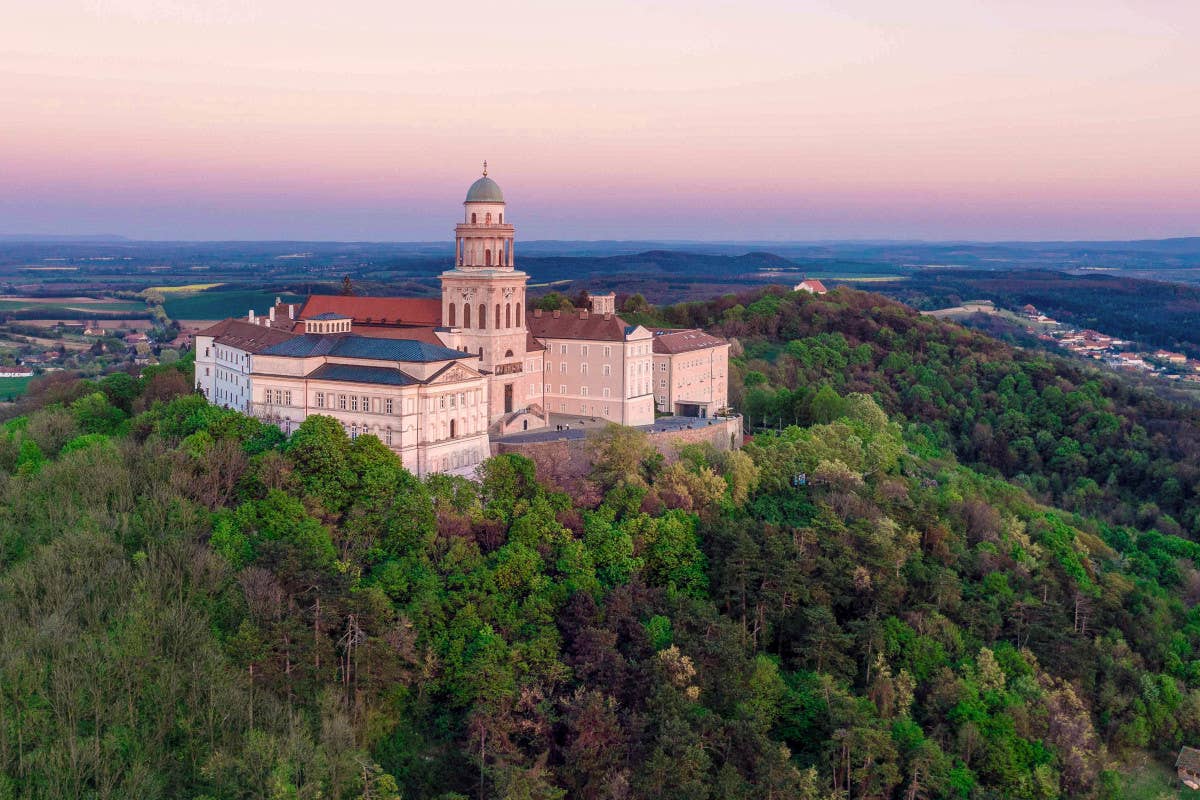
[(435, 379)]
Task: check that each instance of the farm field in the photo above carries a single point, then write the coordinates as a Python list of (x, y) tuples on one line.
[(219, 305), (50, 304), (12, 388)]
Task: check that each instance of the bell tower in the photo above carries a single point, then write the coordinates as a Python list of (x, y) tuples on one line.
[(483, 302)]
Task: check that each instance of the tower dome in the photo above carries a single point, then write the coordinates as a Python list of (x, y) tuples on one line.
[(484, 190)]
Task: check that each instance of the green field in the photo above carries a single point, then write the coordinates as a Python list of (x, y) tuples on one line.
[(218, 305), (52, 306), (12, 388)]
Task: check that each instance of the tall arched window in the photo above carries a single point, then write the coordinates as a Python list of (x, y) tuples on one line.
[(452, 321), (472, 217), (488, 218), (487, 257), (519, 317), (508, 315), (466, 315), (501, 217), (452, 429), (497, 315), (482, 315)]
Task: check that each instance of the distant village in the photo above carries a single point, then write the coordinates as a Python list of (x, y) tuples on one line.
[(1121, 354)]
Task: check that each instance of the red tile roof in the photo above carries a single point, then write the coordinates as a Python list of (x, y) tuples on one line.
[(813, 285), (683, 340), (245, 335), (425, 311), (573, 325)]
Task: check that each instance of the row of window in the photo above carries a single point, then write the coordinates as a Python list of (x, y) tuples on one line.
[(481, 318), (225, 354), (605, 369), (353, 402)]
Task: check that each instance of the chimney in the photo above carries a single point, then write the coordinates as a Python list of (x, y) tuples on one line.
[(291, 311), (537, 312), (278, 301), (272, 314), (251, 317), (557, 313), (583, 314)]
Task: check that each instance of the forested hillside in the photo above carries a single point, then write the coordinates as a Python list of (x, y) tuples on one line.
[(1072, 435), (192, 607)]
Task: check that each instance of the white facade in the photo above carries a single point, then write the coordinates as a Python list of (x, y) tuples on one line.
[(223, 374)]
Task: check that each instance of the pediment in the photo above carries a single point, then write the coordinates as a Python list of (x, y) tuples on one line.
[(453, 374)]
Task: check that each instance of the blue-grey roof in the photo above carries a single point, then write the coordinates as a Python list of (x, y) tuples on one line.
[(331, 315), (484, 190), (352, 346), (361, 374)]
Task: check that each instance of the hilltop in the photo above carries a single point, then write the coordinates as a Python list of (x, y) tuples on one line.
[(943, 567)]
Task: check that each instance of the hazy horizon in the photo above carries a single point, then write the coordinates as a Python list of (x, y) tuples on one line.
[(769, 121)]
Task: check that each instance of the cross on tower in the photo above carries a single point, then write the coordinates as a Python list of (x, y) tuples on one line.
[(485, 168)]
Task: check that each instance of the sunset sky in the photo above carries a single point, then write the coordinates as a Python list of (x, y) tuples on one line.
[(745, 120)]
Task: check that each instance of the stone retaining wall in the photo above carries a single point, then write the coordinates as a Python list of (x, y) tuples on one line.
[(568, 457)]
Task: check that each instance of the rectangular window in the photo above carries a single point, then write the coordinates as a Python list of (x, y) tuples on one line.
[(606, 370), (442, 401), (354, 402), (562, 389), (583, 350), (388, 409), (366, 404), (607, 392), (387, 436), (583, 369), (583, 391), (562, 349), (549, 389), (607, 350), (562, 368), (662, 367), (342, 402), (662, 382), (549, 366), (287, 398)]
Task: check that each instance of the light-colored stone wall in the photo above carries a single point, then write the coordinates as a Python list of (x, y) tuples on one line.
[(223, 374), (696, 377), (569, 457)]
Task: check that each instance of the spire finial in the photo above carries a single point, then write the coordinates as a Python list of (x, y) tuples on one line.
[(485, 168)]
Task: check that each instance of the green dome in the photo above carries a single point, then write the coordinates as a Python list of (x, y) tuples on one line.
[(484, 190)]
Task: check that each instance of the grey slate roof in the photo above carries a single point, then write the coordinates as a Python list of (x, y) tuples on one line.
[(331, 315), (352, 346), (362, 374)]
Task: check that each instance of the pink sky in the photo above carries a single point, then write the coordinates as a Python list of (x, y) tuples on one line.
[(675, 120)]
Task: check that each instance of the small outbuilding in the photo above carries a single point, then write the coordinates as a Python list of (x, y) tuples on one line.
[(1187, 767)]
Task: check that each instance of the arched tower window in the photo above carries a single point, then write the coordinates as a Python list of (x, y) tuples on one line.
[(453, 428), (508, 354), (488, 218), (501, 217), (508, 315), (472, 217), (482, 316), (520, 319), (497, 315), (466, 315), (451, 320), (487, 257)]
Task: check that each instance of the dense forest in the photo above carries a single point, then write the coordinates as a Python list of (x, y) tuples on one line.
[(192, 606)]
